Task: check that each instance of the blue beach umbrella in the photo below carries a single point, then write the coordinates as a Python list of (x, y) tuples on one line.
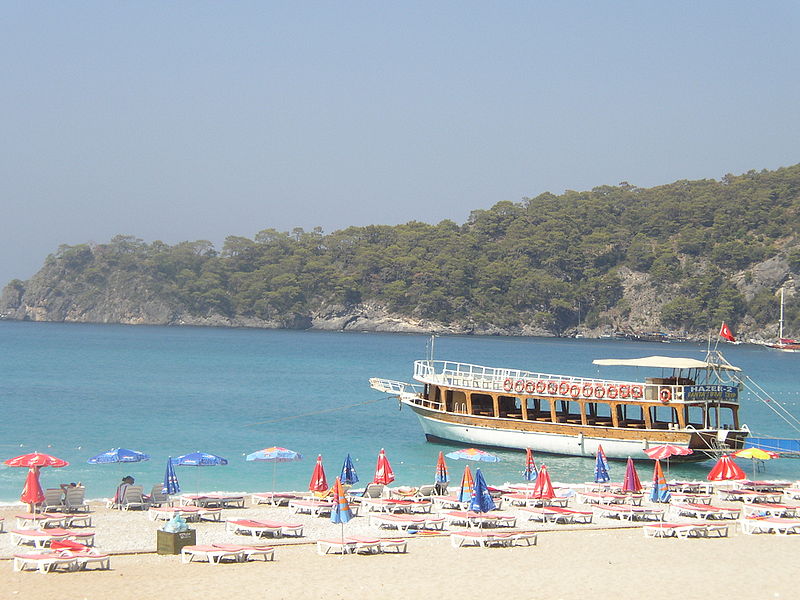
[(601, 467), (199, 459), (660, 491), (349, 475), (340, 513), (118, 455), (171, 485), (530, 473), (481, 500)]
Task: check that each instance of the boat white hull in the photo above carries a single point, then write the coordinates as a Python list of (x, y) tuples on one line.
[(551, 443)]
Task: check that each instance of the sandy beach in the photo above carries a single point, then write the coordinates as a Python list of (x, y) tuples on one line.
[(603, 560)]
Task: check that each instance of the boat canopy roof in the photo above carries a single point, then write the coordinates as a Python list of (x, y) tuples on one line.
[(663, 362)]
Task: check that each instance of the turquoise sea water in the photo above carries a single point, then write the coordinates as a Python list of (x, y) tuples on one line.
[(77, 390)]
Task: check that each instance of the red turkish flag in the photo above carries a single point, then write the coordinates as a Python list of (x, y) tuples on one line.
[(726, 333)]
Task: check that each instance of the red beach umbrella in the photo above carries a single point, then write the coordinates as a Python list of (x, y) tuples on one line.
[(631, 482), (36, 459), (543, 488), (383, 470), (32, 493), (441, 470), (726, 469), (666, 450), (318, 481)]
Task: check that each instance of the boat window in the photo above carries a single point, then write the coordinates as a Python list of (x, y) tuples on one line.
[(695, 417), (510, 407), (568, 412), (662, 417), (721, 417), (455, 399), (631, 415), (598, 413), (538, 409), (482, 405)]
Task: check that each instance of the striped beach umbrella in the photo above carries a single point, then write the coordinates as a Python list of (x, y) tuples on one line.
[(442, 476), (467, 483), (481, 500), (726, 469), (274, 455), (530, 473), (601, 467), (660, 491), (340, 513), (472, 454)]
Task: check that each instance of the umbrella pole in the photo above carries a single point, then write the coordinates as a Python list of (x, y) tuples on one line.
[(274, 469)]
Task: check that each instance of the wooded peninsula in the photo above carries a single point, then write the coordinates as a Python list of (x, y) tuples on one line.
[(678, 258)]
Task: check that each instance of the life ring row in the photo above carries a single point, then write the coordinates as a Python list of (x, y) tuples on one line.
[(575, 390)]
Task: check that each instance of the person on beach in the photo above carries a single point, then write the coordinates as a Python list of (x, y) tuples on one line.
[(127, 482)]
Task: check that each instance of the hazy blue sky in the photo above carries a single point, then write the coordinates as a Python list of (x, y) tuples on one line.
[(197, 120)]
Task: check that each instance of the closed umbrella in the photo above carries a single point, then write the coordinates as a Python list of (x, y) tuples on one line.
[(383, 470), (631, 483), (467, 483), (530, 472), (481, 500), (543, 488), (442, 477), (318, 483), (32, 492), (348, 475), (601, 467), (660, 491), (171, 485)]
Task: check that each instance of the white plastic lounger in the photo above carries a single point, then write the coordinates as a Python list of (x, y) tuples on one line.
[(318, 508), (42, 537), (273, 498), (629, 512), (250, 552), (44, 562), (407, 522), (684, 530), (259, 528), (212, 554), (778, 525), (349, 545), (40, 521), (485, 539), (557, 514)]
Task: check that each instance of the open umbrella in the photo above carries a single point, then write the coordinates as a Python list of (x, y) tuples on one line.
[(171, 485), (472, 454), (383, 470), (664, 451), (467, 483), (660, 491), (543, 488), (530, 473), (32, 493), (601, 467), (481, 500), (318, 483), (118, 455), (726, 469), (349, 475), (199, 459), (631, 482), (755, 454), (275, 455)]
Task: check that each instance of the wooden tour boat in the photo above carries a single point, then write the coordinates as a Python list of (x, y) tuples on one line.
[(694, 404)]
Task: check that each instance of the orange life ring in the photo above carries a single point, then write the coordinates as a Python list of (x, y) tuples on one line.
[(563, 388), (599, 391), (530, 387), (508, 384), (552, 388), (612, 391), (540, 385), (575, 390), (624, 391), (665, 395), (519, 385), (587, 390), (636, 391)]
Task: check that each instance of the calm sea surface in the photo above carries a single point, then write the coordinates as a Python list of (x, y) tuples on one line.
[(77, 390)]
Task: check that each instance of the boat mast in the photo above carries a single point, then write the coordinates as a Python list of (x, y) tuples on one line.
[(780, 323)]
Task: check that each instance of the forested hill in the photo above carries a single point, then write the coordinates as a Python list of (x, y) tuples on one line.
[(679, 257)]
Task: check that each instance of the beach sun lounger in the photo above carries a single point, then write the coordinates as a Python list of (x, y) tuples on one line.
[(704, 511), (250, 552), (53, 500), (781, 526), (43, 537), (406, 521), (557, 514), (189, 513), (273, 498), (259, 528), (629, 512), (44, 562), (485, 539), (349, 545), (769, 510), (684, 530), (212, 554), (83, 554), (40, 521), (75, 499), (317, 508)]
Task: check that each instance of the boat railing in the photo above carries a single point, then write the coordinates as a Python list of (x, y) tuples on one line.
[(528, 383), (405, 391)]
